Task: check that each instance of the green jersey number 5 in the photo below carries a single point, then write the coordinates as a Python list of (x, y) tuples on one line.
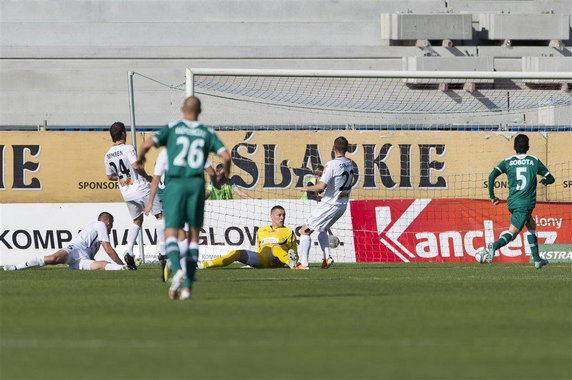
[(521, 178), (190, 154)]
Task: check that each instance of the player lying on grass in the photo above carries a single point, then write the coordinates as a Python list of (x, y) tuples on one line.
[(158, 186), (521, 170), (80, 252), (276, 247)]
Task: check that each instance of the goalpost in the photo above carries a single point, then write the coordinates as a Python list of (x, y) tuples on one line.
[(422, 143)]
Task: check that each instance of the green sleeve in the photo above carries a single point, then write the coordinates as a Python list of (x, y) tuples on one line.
[(215, 143), (549, 179), (162, 136), (498, 170), (543, 171)]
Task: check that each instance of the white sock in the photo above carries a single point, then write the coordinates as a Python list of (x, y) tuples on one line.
[(35, 262), (160, 227), (324, 243), (304, 251), (184, 249), (113, 266), (132, 238)]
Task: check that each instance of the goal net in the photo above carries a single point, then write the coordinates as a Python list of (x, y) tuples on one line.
[(422, 145)]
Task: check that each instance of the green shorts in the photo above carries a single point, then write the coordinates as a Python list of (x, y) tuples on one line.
[(184, 201), (520, 217)]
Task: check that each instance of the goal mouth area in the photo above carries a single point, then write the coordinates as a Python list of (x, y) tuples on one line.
[(379, 92)]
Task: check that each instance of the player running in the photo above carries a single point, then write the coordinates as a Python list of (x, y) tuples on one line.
[(120, 165), (158, 189), (521, 171), (188, 144), (336, 182)]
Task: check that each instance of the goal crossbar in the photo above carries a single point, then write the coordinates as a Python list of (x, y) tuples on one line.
[(518, 75)]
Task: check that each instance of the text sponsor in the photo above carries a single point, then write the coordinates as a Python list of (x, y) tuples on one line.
[(228, 225), (374, 171), (448, 230), (97, 185), (231, 236), (503, 184), (386, 164), (25, 163), (556, 255), (556, 252)]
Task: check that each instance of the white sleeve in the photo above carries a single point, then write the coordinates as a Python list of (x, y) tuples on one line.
[(328, 173), (102, 234), (131, 154), (108, 170), (161, 163)]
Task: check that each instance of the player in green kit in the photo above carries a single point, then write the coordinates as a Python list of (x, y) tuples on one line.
[(521, 171), (188, 144)]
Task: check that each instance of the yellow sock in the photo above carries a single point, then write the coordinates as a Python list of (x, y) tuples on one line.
[(223, 261)]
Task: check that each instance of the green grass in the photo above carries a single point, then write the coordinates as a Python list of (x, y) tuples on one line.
[(395, 321)]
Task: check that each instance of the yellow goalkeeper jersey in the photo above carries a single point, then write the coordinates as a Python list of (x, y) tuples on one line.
[(268, 236)]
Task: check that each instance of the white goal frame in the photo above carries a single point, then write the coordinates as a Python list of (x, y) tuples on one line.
[(553, 76)]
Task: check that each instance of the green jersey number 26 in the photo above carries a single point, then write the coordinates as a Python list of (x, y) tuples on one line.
[(191, 153)]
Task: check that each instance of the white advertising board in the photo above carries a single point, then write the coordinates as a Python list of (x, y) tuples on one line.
[(27, 229)]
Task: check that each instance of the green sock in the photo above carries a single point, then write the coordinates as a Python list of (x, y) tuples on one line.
[(173, 254), (533, 243), (192, 259), (505, 238)]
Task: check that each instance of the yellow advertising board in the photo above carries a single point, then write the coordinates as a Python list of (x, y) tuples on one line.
[(46, 167)]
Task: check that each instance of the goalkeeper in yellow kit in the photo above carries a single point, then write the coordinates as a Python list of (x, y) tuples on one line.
[(276, 247)]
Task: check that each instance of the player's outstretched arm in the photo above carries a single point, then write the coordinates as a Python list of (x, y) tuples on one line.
[(152, 194), (320, 186), (241, 193), (111, 252), (140, 169), (225, 157), (212, 177), (147, 144), (494, 174), (548, 180), (211, 173)]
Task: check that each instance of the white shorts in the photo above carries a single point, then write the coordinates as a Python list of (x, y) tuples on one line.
[(77, 259), (324, 216), (137, 206)]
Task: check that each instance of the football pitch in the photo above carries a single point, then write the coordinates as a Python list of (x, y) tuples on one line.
[(355, 321)]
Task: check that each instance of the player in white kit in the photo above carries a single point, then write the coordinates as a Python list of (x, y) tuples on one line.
[(157, 188), (336, 182), (134, 185), (80, 252)]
